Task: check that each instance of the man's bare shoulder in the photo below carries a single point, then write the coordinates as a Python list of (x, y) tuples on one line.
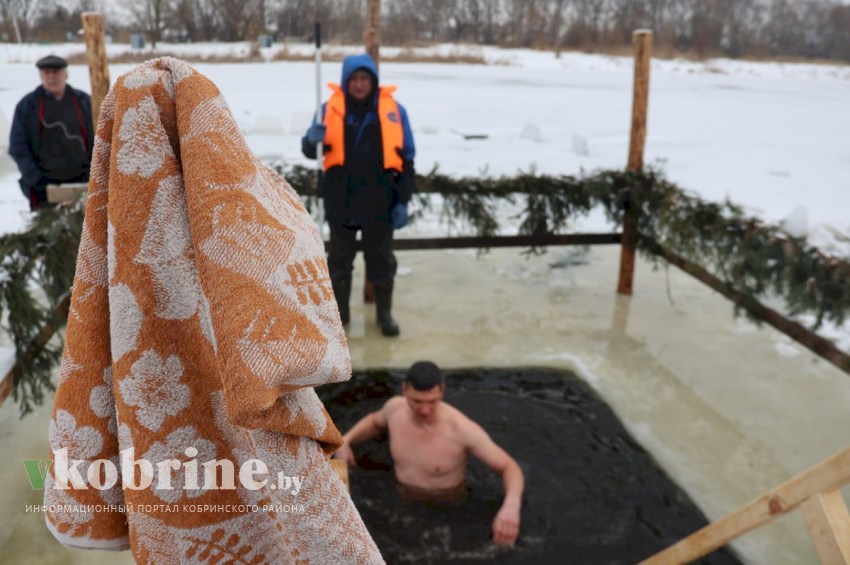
[(461, 421), (382, 417), (393, 405)]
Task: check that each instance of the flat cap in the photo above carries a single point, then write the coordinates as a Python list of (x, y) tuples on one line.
[(51, 62)]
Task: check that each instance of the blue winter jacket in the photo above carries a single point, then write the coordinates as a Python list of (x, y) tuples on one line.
[(358, 191)]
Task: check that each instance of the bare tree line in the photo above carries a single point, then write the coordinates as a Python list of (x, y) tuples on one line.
[(733, 28)]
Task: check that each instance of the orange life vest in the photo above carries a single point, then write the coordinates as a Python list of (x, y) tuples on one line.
[(392, 134)]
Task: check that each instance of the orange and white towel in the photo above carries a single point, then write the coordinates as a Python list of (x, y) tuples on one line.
[(201, 319)]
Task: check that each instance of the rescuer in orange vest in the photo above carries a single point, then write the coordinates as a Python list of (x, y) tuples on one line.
[(367, 180)]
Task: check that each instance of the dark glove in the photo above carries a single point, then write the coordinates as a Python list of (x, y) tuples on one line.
[(399, 216), (316, 133), (35, 193), (406, 181)]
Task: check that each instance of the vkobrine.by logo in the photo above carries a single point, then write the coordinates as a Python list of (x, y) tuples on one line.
[(170, 474)]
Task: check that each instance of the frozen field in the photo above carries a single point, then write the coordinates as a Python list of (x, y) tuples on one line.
[(726, 407)]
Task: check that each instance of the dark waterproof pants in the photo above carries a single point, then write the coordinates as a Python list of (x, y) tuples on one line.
[(377, 251)]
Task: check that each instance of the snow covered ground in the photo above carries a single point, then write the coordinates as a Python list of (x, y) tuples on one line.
[(772, 137), (769, 136)]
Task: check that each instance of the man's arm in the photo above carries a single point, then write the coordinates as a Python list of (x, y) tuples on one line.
[(506, 523), (367, 428)]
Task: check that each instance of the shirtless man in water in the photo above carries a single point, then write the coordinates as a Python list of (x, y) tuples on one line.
[(430, 442)]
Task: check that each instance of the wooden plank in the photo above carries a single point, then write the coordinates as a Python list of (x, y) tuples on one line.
[(474, 242), (98, 63), (828, 475), (412, 244), (829, 525), (57, 193), (642, 46), (340, 467)]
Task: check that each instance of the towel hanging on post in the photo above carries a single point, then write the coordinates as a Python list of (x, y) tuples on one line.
[(201, 319)]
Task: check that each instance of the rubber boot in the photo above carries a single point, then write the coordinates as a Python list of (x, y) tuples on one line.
[(384, 306), (342, 293)]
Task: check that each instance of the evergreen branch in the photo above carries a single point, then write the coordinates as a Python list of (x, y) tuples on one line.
[(36, 274)]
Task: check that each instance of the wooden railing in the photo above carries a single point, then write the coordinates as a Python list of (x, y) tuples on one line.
[(816, 492), (58, 193)]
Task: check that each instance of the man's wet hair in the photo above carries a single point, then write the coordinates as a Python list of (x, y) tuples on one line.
[(424, 375)]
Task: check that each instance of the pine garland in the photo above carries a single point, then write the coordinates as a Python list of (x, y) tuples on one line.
[(752, 257), (755, 258)]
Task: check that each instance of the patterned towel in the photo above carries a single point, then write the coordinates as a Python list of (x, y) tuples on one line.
[(201, 317)]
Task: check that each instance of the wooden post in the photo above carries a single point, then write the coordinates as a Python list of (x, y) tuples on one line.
[(340, 467), (642, 43), (372, 33), (372, 42), (829, 525), (627, 249), (98, 63)]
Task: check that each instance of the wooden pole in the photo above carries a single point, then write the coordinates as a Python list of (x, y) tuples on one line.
[(372, 42), (829, 525), (372, 33), (626, 277), (642, 43), (98, 63)]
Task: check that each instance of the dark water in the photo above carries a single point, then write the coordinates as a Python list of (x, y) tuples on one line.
[(592, 494)]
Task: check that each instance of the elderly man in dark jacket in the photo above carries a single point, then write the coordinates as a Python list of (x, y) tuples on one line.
[(367, 181), (52, 136)]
